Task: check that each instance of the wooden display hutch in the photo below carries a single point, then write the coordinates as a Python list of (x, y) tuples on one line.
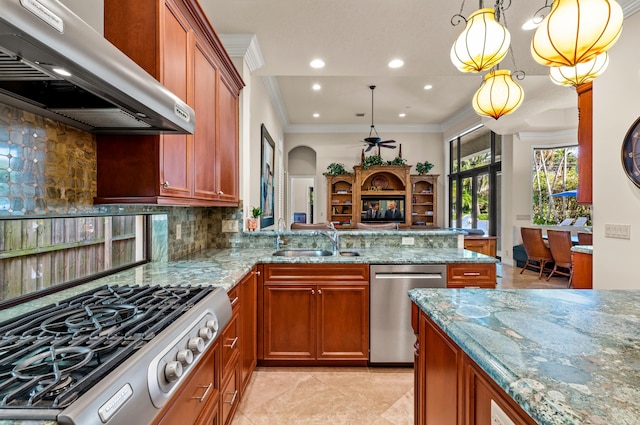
[(349, 195), (424, 200)]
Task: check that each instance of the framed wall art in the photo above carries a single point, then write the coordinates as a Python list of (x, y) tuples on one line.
[(267, 161)]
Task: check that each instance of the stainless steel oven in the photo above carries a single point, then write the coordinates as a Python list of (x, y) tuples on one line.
[(107, 355)]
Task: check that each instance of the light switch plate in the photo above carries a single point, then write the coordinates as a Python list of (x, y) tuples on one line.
[(229, 226), (618, 231), (178, 232)]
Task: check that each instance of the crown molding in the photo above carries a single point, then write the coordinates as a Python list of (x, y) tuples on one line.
[(359, 128), (630, 7), (244, 46), (273, 92)]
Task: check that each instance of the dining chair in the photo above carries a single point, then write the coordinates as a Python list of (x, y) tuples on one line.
[(585, 238), (535, 248), (560, 245), (311, 226), (377, 226)]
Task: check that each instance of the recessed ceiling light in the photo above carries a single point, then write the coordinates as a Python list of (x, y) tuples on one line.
[(317, 63), (532, 24), (428, 87), (316, 86), (316, 115), (402, 115), (396, 63)]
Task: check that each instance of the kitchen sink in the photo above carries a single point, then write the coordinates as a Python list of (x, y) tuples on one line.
[(350, 253), (303, 253)]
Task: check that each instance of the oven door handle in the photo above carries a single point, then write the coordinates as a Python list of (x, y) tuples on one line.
[(206, 393)]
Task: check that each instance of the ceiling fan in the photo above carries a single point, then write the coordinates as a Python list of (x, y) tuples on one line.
[(373, 141)]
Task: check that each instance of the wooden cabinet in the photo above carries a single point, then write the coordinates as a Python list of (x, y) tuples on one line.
[(174, 42), (582, 270), (197, 401), (314, 314), (464, 275), (230, 374), (451, 389), (424, 200), (483, 244), (248, 322), (340, 200)]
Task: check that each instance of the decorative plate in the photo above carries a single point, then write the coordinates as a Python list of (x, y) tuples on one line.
[(380, 181)]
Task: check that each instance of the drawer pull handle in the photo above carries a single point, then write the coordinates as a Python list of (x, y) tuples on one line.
[(471, 274), (234, 301), (233, 398), (258, 273), (165, 184), (206, 393), (233, 343)]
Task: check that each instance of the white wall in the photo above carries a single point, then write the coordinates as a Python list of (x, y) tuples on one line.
[(346, 149), (616, 200)]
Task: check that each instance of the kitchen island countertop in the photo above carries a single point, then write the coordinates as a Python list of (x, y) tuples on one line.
[(565, 356)]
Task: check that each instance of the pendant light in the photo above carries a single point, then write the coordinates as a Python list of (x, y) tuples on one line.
[(580, 73), (482, 44), (498, 94), (576, 31)]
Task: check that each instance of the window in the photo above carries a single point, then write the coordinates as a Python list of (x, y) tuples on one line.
[(554, 184), (474, 181), (42, 255)]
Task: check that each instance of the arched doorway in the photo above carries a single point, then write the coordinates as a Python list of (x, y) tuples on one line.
[(301, 167)]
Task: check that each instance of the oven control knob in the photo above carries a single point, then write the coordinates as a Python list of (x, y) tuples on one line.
[(213, 325), (185, 357), (196, 344), (205, 333), (173, 371)]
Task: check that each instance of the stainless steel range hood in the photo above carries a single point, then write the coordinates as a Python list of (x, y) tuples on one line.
[(104, 91)]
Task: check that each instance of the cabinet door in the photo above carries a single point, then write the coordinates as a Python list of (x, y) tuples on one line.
[(205, 76), (443, 365), (227, 151), (248, 323), (343, 322), (176, 154), (289, 322)]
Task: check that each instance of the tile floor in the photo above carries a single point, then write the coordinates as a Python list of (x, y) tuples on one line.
[(347, 396)]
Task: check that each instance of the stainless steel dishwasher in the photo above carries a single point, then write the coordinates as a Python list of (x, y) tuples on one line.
[(391, 336)]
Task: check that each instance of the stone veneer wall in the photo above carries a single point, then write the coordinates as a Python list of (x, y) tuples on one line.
[(49, 169)]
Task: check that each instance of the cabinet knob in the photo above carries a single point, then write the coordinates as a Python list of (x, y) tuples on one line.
[(319, 291), (220, 193), (165, 184), (313, 292), (258, 273)]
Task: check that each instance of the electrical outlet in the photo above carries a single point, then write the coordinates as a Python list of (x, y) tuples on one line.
[(229, 226), (618, 231), (178, 232), (408, 241)]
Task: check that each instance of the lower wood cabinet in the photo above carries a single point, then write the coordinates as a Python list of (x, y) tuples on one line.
[(314, 314), (230, 374), (451, 389), (465, 275), (483, 244), (582, 270)]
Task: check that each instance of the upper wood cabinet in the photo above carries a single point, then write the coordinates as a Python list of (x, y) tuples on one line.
[(174, 42)]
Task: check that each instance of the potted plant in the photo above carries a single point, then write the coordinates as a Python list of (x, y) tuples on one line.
[(398, 160), (335, 169), (252, 222), (424, 167), (372, 160)]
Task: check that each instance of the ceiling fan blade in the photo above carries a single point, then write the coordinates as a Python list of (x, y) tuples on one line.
[(387, 146), (369, 148), (387, 141)]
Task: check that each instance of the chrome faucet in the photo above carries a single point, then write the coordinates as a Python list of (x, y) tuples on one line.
[(333, 236), (279, 240)]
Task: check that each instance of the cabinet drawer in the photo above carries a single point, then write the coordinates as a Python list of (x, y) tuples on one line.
[(230, 343), (230, 393), (465, 275), (297, 273), (234, 297)]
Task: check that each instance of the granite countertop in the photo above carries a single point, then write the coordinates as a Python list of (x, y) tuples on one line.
[(567, 357), (225, 268), (584, 249)]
